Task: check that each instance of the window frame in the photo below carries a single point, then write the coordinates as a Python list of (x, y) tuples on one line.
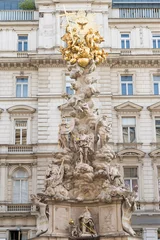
[(28, 119), (156, 39), (131, 178), (134, 164), (125, 39), (126, 83), (20, 179), (129, 126), (21, 131), (22, 86), (23, 42), (156, 82), (156, 118)]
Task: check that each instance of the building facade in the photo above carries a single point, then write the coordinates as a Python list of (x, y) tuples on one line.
[(33, 77)]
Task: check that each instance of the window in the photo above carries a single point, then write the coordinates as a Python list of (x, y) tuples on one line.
[(21, 132), (18, 235), (129, 129), (20, 186), (126, 85), (69, 90), (156, 82), (22, 43), (125, 40), (159, 181), (131, 178), (157, 126), (156, 40), (22, 87)]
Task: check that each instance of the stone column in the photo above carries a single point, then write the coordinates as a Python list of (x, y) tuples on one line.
[(106, 29), (57, 28), (150, 233), (3, 180)]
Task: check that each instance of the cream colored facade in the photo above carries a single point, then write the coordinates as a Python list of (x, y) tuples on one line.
[(45, 71)]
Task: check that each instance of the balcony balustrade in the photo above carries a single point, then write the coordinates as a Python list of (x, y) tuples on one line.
[(17, 207), (139, 12), (18, 15)]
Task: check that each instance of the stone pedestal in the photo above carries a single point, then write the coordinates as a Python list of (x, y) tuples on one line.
[(106, 216)]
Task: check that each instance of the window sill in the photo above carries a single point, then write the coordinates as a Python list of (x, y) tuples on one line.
[(135, 145)]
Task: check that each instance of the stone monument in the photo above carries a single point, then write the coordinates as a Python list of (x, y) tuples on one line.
[(84, 195)]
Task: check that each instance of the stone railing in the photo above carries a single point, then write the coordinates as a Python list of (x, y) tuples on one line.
[(11, 207), (139, 13), (17, 15), (20, 148)]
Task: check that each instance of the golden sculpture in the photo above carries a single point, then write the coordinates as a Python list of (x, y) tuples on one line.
[(82, 41)]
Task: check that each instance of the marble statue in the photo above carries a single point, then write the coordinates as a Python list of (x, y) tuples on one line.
[(84, 168), (42, 220), (86, 223), (103, 129), (54, 182), (128, 207), (83, 145)]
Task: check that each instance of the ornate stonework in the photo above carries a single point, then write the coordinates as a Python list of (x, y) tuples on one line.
[(84, 170)]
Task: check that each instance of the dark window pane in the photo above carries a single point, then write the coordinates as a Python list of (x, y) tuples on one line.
[(127, 183), (154, 43), (125, 134), (23, 37), (159, 43), (20, 46), (158, 134), (124, 89), (18, 90), (69, 90), (25, 46), (124, 35), (130, 172), (127, 44), (122, 44), (132, 134), (126, 78), (156, 91), (135, 185), (25, 90), (130, 89)]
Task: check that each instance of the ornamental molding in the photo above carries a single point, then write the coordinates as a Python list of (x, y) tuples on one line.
[(127, 153), (14, 168), (21, 110), (155, 154), (154, 108), (128, 107), (114, 61)]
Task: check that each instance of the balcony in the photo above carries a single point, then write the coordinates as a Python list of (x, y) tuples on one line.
[(17, 208), (18, 15), (139, 12), (20, 149)]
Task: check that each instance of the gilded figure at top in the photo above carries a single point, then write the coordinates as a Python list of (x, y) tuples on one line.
[(82, 42)]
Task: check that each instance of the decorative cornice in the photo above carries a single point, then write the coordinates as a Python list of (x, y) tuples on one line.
[(154, 107), (21, 109), (155, 153), (53, 60), (125, 153), (128, 107)]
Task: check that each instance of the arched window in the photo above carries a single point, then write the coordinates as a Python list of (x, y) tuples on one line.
[(20, 186)]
